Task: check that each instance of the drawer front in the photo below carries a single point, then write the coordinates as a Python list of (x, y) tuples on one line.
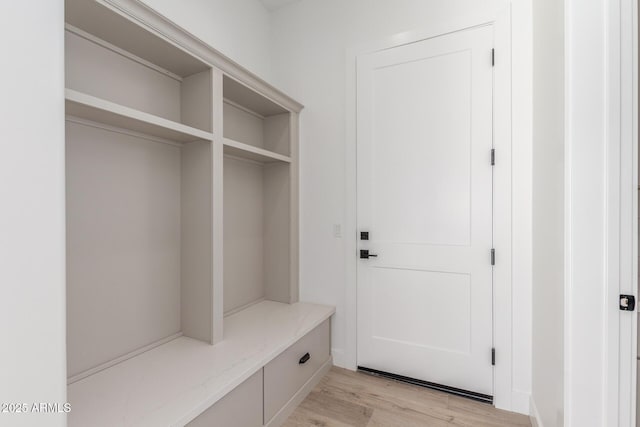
[(284, 375), (241, 407)]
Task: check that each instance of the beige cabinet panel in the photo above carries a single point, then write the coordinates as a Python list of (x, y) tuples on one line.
[(241, 407), (284, 375)]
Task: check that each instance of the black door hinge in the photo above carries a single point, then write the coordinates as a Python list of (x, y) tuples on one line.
[(493, 357), (627, 302), (493, 157), (493, 57), (493, 257)]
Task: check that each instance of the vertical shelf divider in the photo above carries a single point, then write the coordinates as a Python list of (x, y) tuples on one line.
[(218, 209), (294, 219)]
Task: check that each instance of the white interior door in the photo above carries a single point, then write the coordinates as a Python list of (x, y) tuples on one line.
[(425, 196)]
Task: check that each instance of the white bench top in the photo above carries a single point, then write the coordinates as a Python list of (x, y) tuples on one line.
[(172, 384)]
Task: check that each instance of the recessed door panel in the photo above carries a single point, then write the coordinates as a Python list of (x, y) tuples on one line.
[(428, 298), (422, 137)]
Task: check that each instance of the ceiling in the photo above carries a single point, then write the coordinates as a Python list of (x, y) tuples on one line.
[(272, 5)]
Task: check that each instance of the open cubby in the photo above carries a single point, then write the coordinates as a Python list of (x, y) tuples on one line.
[(257, 209), (139, 166), (165, 84), (255, 120), (138, 235)]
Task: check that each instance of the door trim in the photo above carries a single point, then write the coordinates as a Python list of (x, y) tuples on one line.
[(622, 216), (626, 69), (506, 395), (622, 211)]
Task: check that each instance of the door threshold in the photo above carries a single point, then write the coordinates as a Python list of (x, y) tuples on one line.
[(478, 397)]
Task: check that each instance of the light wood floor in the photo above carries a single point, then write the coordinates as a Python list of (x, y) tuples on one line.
[(345, 398)]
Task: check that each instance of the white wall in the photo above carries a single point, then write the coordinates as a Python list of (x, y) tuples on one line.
[(237, 28), (548, 210), (32, 251), (310, 40)]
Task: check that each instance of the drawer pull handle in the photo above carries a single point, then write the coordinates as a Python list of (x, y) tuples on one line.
[(304, 359)]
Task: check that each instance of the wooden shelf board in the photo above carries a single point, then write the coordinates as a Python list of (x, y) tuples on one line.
[(250, 152), (250, 99), (120, 30), (173, 383), (89, 107)]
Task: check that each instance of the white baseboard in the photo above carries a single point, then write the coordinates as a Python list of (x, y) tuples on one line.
[(339, 358), (284, 413), (520, 402), (535, 415)]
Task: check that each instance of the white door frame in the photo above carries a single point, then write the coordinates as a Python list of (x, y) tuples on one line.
[(622, 217), (623, 199), (601, 156), (505, 397)]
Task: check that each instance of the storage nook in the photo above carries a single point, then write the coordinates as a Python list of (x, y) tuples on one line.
[(259, 213), (182, 231), (139, 193)]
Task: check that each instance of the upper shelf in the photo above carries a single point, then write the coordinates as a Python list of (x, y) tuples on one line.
[(99, 110), (240, 94), (120, 31), (250, 152), (133, 26)]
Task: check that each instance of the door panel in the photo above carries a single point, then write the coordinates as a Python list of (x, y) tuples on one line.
[(426, 302), (425, 196), (438, 167)]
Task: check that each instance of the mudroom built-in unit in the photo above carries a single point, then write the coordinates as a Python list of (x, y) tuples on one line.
[(182, 231)]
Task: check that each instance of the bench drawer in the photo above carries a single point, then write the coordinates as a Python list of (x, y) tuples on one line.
[(241, 407), (285, 374)]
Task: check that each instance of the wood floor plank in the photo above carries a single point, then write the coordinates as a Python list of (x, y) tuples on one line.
[(344, 411), (378, 388), (402, 403), (401, 396), (482, 410), (302, 417), (384, 418), (346, 398)]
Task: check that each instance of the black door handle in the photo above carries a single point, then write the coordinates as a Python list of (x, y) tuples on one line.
[(304, 359), (364, 254)]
